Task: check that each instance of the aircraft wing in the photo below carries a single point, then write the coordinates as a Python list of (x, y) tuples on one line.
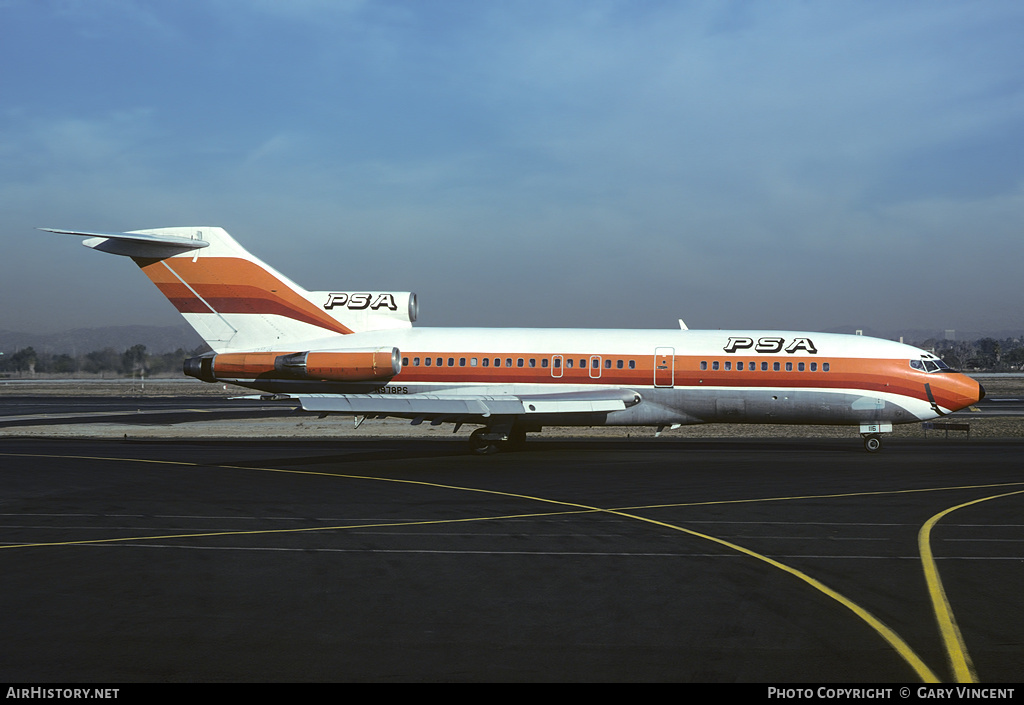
[(424, 406)]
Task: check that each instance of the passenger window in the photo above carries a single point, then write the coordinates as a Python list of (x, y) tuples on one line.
[(405, 362), (462, 362), (533, 362), (739, 366), (632, 364), (607, 364), (714, 365), (764, 366), (703, 364), (508, 362), (426, 361), (814, 367), (487, 361), (775, 366), (583, 363), (568, 362), (472, 362), (543, 362), (497, 362), (800, 366), (415, 362), (824, 367), (451, 362), (558, 362), (789, 367), (753, 366), (728, 364), (618, 364)]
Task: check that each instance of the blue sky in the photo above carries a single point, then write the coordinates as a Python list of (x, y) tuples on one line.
[(597, 163)]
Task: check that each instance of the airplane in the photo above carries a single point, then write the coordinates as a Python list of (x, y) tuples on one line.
[(356, 353)]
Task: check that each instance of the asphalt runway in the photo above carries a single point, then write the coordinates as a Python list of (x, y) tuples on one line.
[(410, 560), (48, 410)]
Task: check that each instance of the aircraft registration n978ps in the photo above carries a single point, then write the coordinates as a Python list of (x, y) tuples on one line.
[(357, 353)]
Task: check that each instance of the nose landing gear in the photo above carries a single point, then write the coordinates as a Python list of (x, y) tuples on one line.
[(872, 435), (872, 442)]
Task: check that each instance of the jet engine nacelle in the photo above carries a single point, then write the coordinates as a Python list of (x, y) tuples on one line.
[(365, 365), (368, 365)]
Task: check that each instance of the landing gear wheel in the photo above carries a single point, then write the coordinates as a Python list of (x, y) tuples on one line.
[(480, 445), (516, 438), (873, 443)]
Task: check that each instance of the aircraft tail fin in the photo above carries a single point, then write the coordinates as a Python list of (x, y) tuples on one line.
[(237, 302)]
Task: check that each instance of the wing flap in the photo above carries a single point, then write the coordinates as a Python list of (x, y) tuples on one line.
[(434, 405)]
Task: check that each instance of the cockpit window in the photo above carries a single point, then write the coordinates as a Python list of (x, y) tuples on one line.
[(933, 365)]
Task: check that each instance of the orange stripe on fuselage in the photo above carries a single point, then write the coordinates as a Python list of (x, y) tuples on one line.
[(232, 285), (951, 391)]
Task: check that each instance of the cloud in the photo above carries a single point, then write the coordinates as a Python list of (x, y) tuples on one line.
[(585, 163)]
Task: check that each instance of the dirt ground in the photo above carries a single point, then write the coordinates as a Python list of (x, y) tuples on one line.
[(310, 426)]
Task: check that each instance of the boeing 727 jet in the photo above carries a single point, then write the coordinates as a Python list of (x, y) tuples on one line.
[(356, 353)]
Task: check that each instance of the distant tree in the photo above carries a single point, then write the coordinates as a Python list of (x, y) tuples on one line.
[(989, 352), (25, 360), (955, 353), (63, 364), (952, 359), (1015, 357), (105, 360), (134, 359)]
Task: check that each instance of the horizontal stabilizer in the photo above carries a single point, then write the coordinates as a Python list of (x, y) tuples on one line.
[(137, 244)]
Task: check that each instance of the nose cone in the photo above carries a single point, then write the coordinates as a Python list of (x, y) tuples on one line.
[(954, 391), (958, 391)]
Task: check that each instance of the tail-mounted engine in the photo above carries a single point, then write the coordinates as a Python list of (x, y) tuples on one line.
[(365, 365)]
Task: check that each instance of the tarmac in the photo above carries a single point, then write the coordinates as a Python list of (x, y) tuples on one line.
[(732, 560), (332, 557)]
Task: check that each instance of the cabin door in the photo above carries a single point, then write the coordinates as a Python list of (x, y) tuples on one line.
[(664, 367)]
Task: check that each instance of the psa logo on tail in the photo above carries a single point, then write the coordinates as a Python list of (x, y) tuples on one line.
[(359, 302)]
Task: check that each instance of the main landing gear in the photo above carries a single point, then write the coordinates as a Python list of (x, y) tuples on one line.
[(488, 441)]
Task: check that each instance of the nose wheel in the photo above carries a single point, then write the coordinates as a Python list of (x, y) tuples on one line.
[(872, 442)]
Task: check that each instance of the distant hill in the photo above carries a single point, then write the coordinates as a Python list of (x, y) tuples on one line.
[(157, 339)]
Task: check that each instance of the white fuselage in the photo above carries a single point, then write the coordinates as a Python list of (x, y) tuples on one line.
[(683, 376)]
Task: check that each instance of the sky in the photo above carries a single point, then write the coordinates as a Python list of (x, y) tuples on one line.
[(590, 163)]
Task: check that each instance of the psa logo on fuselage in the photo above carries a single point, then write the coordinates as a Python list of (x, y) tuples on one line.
[(358, 302), (770, 344)]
